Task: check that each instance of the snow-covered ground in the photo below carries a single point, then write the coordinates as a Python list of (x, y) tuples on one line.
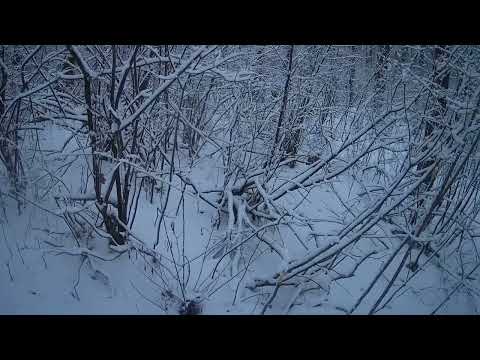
[(43, 273)]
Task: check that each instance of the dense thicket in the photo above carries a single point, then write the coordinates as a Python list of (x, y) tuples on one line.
[(399, 124)]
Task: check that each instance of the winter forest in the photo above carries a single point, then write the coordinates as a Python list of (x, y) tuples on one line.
[(266, 180)]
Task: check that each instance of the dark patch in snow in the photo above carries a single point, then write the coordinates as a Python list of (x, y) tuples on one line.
[(191, 307)]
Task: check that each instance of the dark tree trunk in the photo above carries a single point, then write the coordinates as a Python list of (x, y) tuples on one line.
[(380, 84), (441, 78), (283, 109), (351, 78)]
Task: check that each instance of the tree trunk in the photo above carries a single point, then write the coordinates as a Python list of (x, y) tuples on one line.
[(351, 78), (283, 109), (441, 79), (380, 86)]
